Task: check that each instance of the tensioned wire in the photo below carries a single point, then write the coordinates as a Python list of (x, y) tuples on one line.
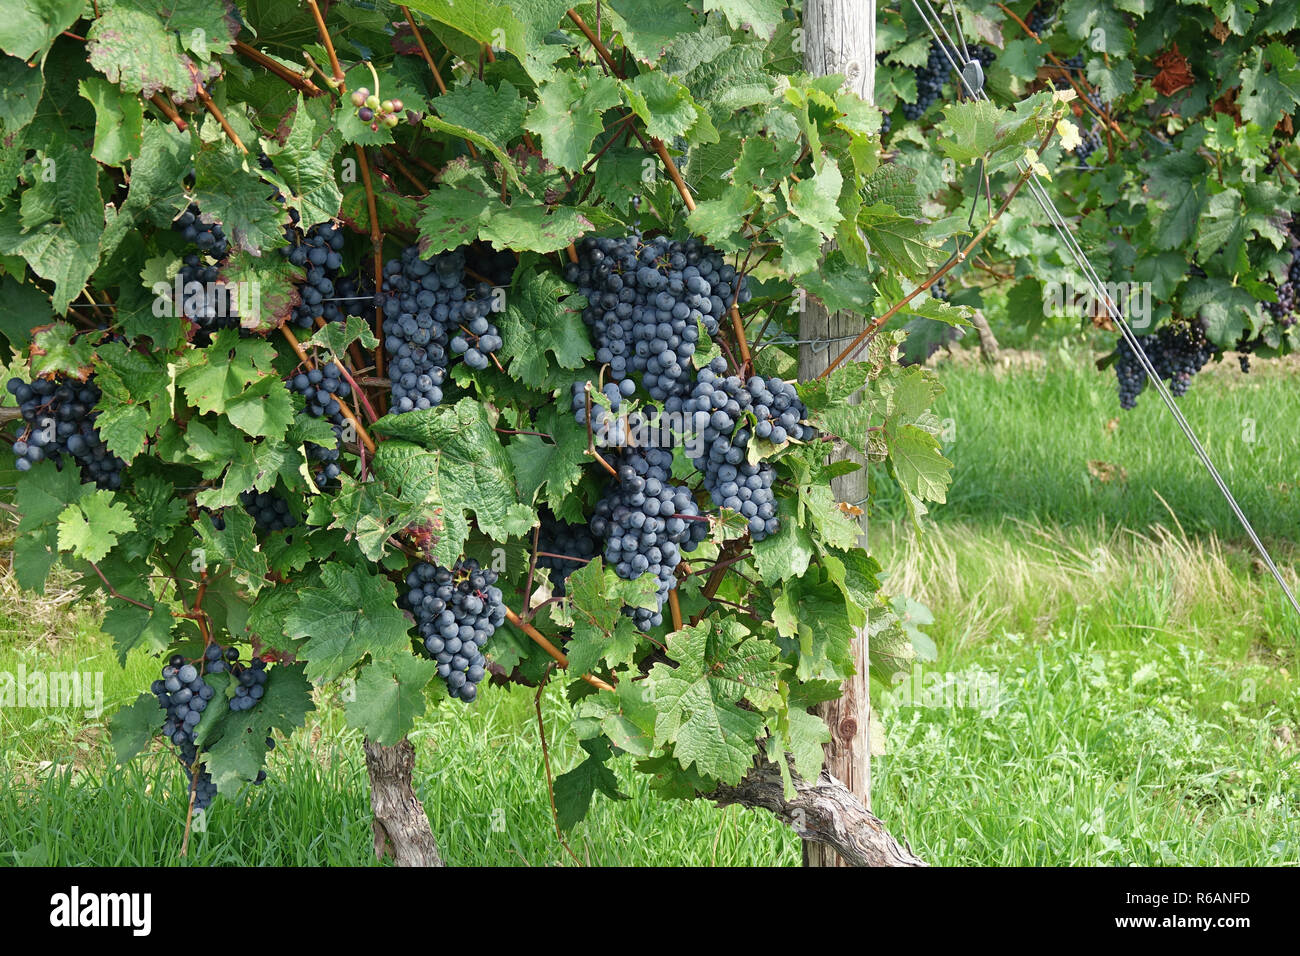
[(1081, 260)]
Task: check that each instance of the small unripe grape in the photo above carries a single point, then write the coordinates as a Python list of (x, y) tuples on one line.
[(366, 114), (397, 106), (359, 98), (387, 106), (372, 101), (391, 120)]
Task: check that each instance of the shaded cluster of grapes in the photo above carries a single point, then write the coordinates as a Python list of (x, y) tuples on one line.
[(1040, 20), (325, 390), (456, 612), (430, 313), (270, 512), (184, 695), (497, 266), (209, 305), (722, 406), (1177, 351), (319, 252), (1285, 309), (208, 237), (59, 420), (563, 548), (1090, 143), (646, 303), (930, 79), (646, 522)]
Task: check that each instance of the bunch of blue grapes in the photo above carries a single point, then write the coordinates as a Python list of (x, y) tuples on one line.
[(645, 523), (646, 303), (1089, 144), (319, 252), (1284, 310), (270, 512), (456, 613), (214, 308), (608, 425), (208, 237), (325, 390), (59, 420), (930, 79), (1040, 20), (429, 313), (1177, 351), (721, 406), (184, 695), (563, 548)]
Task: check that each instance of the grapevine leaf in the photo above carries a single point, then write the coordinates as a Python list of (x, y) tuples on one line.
[(89, 527), (389, 697), (133, 726), (119, 121), (29, 29), (718, 665), (353, 613), (762, 16), (132, 627), (465, 469), (534, 228), (62, 220), (240, 753), (662, 102), (568, 115), (575, 788), (43, 494), (538, 319)]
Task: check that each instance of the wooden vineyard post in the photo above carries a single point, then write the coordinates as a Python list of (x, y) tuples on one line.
[(839, 36)]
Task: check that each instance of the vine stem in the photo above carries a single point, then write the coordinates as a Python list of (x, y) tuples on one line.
[(433, 67), (675, 608), (114, 591), (329, 44), (546, 762), (206, 98), (377, 248), (1069, 78), (343, 409), (596, 44), (558, 655), (875, 324), (296, 80), (168, 110)]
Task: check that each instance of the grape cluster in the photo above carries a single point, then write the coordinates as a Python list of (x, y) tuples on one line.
[(208, 237), (1090, 143), (456, 611), (1177, 351), (575, 542), (721, 405), (325, 390), (319, 252), (609, 427), (645, 522), (213, 307), (1287, 306), (184, 695), (930, 79), (428, 312), (646, 302), (59, 418), (270, 512), (1040, 20)]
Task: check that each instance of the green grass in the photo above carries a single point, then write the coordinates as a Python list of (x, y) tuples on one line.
[(1021, 439), (1145, 707)]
